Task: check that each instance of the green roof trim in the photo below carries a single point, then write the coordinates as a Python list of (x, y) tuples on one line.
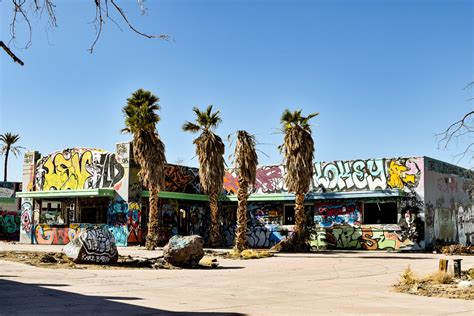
[(67, 193), (312, 196), (262, 197), (7, 200), (178, 196)]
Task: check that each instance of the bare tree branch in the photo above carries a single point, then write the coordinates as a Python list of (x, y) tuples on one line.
[(24, 9), (9, 52)]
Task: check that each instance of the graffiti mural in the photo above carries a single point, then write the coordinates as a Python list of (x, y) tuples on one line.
[(77, 169), (354, 175), (133, 222), (26, 221), (45, 234), (10, 225), (117, 221), (269, 179), (332, 214), (365, 237), (181, 179), (264, 227), (372, 174)]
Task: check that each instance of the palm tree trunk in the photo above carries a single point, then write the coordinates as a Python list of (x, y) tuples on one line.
[(153, 224), (214, 241), (6, 164), (241, 232), (299, 216)]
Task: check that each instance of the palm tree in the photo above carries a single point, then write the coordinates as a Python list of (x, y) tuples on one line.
[(8, 139), (210, 152), (298, 150), (148, 151), (245, 164)]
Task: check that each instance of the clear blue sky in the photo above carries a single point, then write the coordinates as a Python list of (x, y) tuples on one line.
[(385, 75)]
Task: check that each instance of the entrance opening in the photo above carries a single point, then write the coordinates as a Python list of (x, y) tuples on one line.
[(380, 213)]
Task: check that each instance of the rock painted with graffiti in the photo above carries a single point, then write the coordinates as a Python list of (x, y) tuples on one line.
[(78, 169)]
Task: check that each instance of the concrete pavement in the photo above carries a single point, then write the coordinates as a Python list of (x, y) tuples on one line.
[(345, 283)]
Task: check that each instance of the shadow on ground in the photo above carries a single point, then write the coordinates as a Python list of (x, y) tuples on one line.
[(37, 299)]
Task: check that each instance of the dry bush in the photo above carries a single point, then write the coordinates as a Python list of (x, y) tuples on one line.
[(457, 249), (249, 254), (408, 277), (440, 277)]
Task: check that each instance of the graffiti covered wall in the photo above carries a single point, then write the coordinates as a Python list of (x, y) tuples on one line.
[(341, 176), (45, 234), (78, 169), (182, 179), (269, 179), (328, 214), (375, 237), (10, 224), (371, 174), (448, 199)]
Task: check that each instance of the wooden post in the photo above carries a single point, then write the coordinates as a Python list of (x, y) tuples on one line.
[(443, 265)]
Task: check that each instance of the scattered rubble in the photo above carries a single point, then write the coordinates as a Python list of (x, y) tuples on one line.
[(437, 284)]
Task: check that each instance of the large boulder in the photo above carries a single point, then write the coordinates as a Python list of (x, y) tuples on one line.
[(93, 245), (184, 251)]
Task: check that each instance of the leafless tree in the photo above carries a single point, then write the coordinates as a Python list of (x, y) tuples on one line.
[(462, 128), (25, 10)]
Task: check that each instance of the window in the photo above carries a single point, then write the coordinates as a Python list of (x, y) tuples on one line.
[(380, 213)]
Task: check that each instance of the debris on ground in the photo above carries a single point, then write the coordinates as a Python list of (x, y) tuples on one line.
[(249, 254), (437, 284), (61, 261)]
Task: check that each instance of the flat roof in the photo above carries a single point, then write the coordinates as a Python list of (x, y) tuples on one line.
[(67, 193)]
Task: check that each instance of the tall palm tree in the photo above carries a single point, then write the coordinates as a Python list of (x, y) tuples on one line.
[(298, 150), (210, 152), (245, 164), (148, 151), (8, 140)]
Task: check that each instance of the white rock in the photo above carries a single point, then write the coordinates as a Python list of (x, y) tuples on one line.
[(465, 284)]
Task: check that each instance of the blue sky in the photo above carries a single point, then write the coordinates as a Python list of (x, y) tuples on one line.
[(385, 75)]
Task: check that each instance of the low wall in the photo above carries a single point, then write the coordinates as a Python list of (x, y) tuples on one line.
[(364, 237)]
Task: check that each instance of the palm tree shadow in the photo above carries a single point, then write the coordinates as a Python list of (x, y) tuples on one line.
[(36, 299)]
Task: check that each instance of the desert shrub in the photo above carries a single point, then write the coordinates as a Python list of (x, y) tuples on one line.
[(441, 277), (408, 277)]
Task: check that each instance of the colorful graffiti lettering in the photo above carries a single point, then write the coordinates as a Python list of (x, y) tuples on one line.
[(45, 234), (367, 238), (76, 169), (331, 214), (372, 174), (351, 175), (10, 225)]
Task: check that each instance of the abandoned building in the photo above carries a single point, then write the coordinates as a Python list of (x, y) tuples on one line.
[(373, 204)]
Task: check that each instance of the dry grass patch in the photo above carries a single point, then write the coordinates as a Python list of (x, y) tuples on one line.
[(437, 284), (249, 254)]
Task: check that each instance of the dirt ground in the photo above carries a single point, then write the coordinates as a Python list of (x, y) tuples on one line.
[(58, 260)]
